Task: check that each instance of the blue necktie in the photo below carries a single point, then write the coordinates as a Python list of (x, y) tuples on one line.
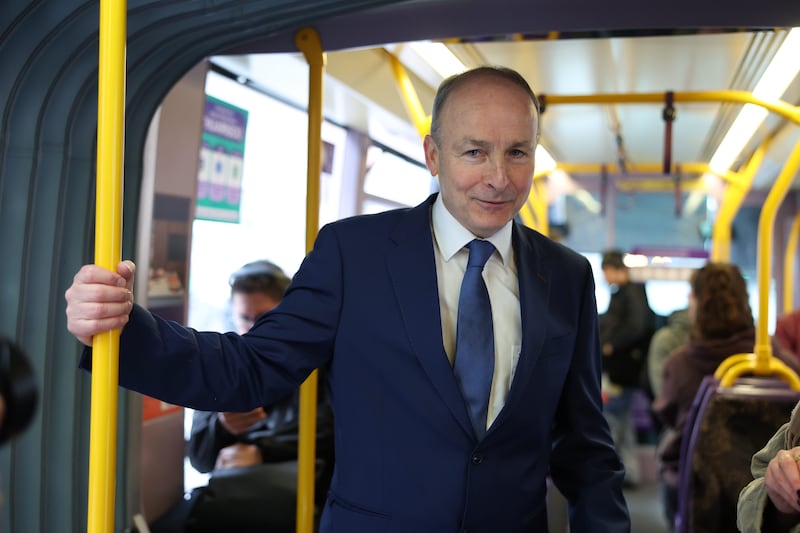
[(474, 360)]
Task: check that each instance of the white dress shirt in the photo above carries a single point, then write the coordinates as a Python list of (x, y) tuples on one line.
[(500, 275)]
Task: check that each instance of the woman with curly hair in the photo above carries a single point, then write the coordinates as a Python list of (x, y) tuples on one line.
[(721, 325)]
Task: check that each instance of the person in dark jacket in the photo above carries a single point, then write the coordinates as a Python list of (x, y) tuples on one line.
[(625, 331), (265, 434), (240, 441)]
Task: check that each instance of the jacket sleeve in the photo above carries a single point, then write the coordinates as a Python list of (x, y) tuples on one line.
[(211, 371), (207, 438), (592, 485), (753, 497)]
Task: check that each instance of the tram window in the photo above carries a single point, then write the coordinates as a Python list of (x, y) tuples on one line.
[(394, 179)]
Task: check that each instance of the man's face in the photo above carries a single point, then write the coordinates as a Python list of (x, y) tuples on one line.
[(485, 156), (247, 307), (615, 276)]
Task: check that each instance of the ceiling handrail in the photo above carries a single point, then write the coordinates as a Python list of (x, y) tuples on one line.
[(779, 107), (762, 362)]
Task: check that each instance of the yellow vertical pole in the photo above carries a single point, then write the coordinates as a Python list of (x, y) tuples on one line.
[(307, 41), (763, 349), (735, 193), (108, 250), (788, 266)]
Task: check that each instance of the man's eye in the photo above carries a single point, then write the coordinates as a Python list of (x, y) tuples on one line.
[(473, 153)]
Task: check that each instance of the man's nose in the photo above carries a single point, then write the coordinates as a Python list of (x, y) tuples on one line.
[(497, 174)]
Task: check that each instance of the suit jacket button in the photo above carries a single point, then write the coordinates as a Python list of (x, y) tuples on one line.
[(477, 459)]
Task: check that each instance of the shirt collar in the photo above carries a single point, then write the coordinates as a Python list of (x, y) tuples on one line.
[(451, 236)]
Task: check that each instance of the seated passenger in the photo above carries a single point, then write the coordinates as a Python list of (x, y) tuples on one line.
[(722, 325), (771, 502), (787, 332), (266, 434)]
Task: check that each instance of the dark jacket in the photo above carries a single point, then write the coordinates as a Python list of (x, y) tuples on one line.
[(275, 436), (364, 306), (627, 326)]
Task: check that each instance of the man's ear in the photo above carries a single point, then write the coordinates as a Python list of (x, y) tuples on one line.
[(431, 155)]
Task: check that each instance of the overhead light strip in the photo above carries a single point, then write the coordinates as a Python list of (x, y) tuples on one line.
[(773, 83), (439, 57)]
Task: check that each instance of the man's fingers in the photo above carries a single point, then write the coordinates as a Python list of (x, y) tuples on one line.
[(782, 481), (127, 269), (85, 329), (95, 274)]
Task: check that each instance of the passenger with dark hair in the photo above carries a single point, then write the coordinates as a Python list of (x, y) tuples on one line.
[(460, 347), (264, 434), (625, 331), (241, 441), (722, 325)]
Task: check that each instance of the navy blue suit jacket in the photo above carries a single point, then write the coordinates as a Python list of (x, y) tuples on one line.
[(364, 304)]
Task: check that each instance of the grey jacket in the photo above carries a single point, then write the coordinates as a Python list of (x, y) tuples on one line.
[(753, 498)]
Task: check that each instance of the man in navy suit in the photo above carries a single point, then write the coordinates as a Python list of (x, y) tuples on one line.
[(375, 303)]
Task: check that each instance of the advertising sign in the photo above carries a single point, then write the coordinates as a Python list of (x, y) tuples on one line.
[(219, 180)]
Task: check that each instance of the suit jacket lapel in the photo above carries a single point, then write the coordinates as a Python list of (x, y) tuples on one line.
[(412, 268)]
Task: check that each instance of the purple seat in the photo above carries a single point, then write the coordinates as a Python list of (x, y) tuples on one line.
[(690, 431), (730, 424)]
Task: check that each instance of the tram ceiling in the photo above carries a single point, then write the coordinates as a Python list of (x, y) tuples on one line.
[(362, 92)]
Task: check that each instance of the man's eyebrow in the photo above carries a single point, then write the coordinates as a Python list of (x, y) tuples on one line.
[(476, 142), (528, 144)]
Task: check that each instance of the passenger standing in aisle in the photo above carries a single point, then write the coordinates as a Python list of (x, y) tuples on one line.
[(625, 331), (378, 303)]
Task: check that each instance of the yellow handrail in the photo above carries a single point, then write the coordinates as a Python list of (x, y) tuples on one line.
[(747, 363), (108, 250), (734, 195), (762, 362), (742, 97), (307, 41)]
